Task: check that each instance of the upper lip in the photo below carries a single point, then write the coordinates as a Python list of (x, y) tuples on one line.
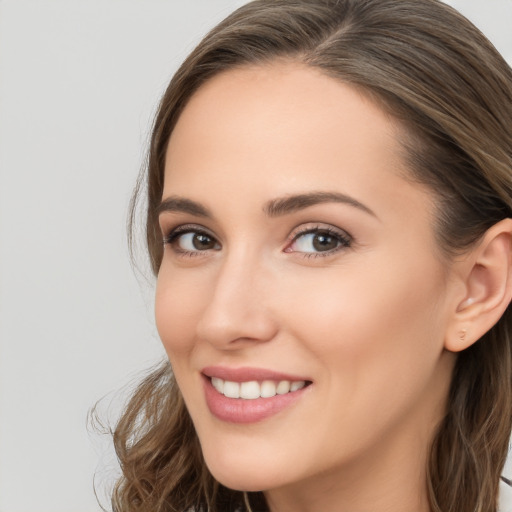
[(246, 374)]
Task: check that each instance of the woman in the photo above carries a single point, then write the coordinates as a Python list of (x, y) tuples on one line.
[(332, 184)]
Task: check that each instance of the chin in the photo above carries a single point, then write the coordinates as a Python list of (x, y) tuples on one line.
[(249, 475), (245, 481)]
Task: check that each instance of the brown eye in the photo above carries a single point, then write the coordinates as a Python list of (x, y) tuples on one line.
[(317, 241), (324, 242), (193, 241), (202, 242)]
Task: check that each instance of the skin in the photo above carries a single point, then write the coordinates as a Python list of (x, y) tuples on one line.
[(366, 323)]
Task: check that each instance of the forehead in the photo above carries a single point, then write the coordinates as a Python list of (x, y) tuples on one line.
[(270, 100), (280, 129)]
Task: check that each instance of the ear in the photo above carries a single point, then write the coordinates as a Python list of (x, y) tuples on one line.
[(486, 274)]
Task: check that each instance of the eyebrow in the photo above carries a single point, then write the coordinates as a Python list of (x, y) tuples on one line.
[(273, 208), (287, 205), (183, 205)]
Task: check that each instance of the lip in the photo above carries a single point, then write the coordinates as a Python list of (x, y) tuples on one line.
[(246, 373), (237, 410)]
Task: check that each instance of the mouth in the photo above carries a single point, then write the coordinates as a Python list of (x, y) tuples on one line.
[(250, 395), (251, 390)]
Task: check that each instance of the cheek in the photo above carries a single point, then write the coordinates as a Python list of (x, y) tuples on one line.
[(377, 341), (382, 322), (177, 310)]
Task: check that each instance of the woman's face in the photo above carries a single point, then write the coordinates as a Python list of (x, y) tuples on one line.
[(299, 260)]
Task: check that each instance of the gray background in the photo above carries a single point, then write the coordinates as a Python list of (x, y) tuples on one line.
[(79, 82)]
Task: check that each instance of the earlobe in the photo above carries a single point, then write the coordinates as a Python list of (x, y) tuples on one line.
[(487, 278)]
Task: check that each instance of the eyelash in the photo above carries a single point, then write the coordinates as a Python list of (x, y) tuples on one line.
[(176, 233), (343, 239)]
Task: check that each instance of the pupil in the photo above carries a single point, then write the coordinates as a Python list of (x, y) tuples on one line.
[(323, 242), (202, 242)]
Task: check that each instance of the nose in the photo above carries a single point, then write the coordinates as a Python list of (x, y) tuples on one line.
[(239, 311)]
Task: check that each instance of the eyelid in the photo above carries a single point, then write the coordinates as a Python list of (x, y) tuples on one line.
[(173, 239), (345, 238), (174, 232), (309, 227)]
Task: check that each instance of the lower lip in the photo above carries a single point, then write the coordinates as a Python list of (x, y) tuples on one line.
[(239, 410)]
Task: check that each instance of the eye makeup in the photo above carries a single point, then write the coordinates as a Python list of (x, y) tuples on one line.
[(309, 240)]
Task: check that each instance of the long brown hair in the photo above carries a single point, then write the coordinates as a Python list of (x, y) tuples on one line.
[(451, 91)]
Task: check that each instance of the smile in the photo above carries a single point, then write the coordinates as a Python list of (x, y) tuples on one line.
[(249, 395), (251, 390)]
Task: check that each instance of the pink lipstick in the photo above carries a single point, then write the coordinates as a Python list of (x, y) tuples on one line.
[(248, 395)]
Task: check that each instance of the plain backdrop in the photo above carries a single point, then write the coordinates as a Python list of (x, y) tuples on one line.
[(79, 83)]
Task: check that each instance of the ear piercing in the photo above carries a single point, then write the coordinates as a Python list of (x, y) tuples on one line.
[(462, 334)]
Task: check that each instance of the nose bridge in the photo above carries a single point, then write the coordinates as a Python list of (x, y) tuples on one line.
[(239, 306)]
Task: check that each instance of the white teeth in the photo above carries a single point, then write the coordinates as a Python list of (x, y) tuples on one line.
[(268, 389), (218, 384), (283, 387), (295, 386), (231, 389), (252, 389)]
